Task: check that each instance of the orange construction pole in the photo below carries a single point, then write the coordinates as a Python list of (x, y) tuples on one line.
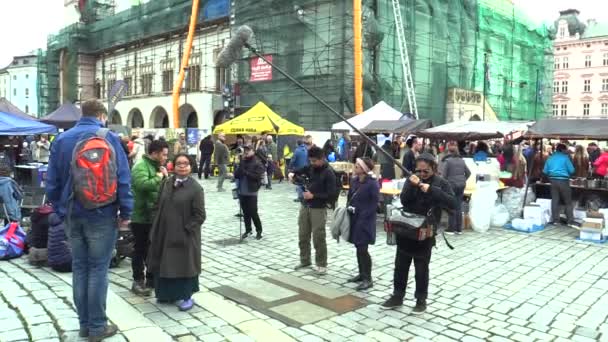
[(185, 60), (358, 58)]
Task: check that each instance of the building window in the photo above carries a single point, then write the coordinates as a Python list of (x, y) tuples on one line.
[(556, 87), (587, 61), (14, 91), (565, 62), (562, 32), (556, 64), (605, 84), (167, 68), (14, 77), (587, 86), (564, 87), (606, 59), (27, 92), (586, 109), (147, 78), (220, 73), (127, 76), (193, 76), (111, 76), (564, 110), (27, 109), (25, 61), (27, 76), (604, 109), (555, 110)]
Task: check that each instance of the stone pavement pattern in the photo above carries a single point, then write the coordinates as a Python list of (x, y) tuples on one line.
[(498, 286)]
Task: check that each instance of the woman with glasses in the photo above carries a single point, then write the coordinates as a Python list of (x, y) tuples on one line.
[(425, 193), (175, 249)]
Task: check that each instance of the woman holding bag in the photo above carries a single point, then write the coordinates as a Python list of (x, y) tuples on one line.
[(425, 194), (362, 205)]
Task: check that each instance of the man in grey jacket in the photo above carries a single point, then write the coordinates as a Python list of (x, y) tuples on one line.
[(221, 154), (456, 172)]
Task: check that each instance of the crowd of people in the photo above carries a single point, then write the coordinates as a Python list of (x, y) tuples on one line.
[(165, 209)]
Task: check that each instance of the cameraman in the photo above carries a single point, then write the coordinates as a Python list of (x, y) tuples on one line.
[(320, 184)]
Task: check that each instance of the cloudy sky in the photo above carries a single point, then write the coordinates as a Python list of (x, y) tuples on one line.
[(25, 24)]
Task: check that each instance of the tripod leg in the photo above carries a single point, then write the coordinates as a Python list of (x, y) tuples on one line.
[(240, 222)]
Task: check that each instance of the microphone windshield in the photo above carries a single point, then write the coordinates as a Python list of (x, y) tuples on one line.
[(232, 51)]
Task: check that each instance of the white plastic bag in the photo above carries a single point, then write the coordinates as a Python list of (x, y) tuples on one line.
[(482, 205), (513, 199), (500, 216)]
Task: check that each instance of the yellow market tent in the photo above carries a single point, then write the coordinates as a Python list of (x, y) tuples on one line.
[(259, 119)]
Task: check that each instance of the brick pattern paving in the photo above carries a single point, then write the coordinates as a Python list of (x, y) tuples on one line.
[(498, 286)]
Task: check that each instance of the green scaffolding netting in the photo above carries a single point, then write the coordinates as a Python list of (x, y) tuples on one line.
[(447, 42)]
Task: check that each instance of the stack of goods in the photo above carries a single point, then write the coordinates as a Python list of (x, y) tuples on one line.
[(536, 216), (594, 227)]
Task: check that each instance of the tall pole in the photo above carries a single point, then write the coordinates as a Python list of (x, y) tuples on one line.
[(184, 63), (485, 84), (358, 55), (537, 93)]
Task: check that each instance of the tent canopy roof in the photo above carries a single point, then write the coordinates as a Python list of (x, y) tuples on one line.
[(65, 116), (7, 107), (380, 111), (257, 120), (474, 130), (569, 129), (13, 125), (403, 126)]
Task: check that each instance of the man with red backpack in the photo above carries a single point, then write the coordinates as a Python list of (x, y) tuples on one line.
[(89, 185)]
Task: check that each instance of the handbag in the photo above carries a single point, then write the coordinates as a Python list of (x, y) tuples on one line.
[(409, 225), (340, 223)]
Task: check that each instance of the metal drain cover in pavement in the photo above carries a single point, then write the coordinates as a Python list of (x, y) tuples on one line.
[(228, 242)]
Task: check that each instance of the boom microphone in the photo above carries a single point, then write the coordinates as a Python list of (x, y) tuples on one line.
[(232, 51)]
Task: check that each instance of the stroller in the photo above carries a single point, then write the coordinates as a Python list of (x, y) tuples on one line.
[(124, 247)]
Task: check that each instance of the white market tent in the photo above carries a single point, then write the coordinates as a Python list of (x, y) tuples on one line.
[(381, 111)]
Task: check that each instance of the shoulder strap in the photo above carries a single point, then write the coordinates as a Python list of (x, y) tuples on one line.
[(102, 132)]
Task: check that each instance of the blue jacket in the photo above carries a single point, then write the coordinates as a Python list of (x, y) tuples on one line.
[(480, 156), (365, 201), (59, 180), (558, 166), (300, 158), (58, 247), (11, 195)]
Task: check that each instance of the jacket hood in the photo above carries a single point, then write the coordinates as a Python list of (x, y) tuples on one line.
[(54, 219)]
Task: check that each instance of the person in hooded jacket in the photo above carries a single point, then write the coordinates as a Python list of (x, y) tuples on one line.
[(249, 175), (456, 172), (206, 147), (425, 193), (362, 204)]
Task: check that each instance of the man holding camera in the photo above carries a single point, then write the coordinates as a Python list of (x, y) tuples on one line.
[(320, 184)]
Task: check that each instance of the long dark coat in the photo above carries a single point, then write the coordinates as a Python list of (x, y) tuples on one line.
[(175, 238), (363, 222)]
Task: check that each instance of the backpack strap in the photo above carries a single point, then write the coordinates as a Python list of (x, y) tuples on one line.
[(102, 132)]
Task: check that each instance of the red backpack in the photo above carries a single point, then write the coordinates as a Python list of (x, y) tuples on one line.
[(94, 170)]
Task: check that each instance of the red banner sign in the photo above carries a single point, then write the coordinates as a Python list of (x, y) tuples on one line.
[(260, 70)]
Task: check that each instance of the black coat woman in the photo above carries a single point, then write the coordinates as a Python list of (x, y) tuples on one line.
[(362, 205), (423, 193), (175, 239)]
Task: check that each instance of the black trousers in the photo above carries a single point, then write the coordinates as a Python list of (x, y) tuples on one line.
[(560, 189), (249, 205), (205, 166), (141, 233), (364, 260), (403, 261)]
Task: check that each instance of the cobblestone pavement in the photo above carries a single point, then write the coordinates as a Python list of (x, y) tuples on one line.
[(498, 286)]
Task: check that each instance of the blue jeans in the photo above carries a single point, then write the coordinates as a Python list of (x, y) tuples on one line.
[(92, 244)]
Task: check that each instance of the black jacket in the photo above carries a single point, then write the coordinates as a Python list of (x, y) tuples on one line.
[(250, 171), (322, 184), (206, 147), (440, 196), (409, 160)]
